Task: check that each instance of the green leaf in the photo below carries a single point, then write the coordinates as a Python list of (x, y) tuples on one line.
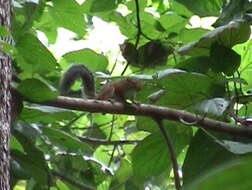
[(25, 167), (190, 35), (125, 24), (19, 170), (66, 141), (203, 7), (232, 175), (7, 48), (237, 147), (223, 59), (122, 174), (33, 56), (93, 60), (185, 89), (48, 26), (232, 10), (180, 9), (31, 149), (36, 90), (203, 155), (146, 124), (197, 64), (33, 12), (15, 145), (61, 185), (229, 35), (32, 154), (149, 25), (132, 5), (45, 114), (4, 32), (104, 5), (172, 22), (68, 14), (151, 155)]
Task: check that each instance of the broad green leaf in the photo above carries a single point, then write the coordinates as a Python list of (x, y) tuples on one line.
[(104, 5), (186, 89), (45, 114), (68, 14), (229, 35), (149, 25), (146, 124), (132, 5), (71, 163), (232, 10), (66, 141), (180, 9), (183, 89), (36, 91), (232, 175), (33, 56), (48, 26), (15, 145), (125, 24), (203, 155), (172, 22), (61, 185), (122, 174), (151, 155), (101, 154), (28, 130), (203, 7), (237, 147), (246, 110), (31, 150), (223, 59), (191, 35), (246, 64), (88, 57), (25, 165), (197, 64), (19, 171), (33, 12)]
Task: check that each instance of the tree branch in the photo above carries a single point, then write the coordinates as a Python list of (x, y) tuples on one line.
[(172, 151), (149, 111)]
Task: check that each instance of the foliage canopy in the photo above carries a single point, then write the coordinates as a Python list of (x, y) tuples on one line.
[(198, 69)]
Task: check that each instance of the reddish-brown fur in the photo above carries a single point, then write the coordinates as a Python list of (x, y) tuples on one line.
[(120, 90)]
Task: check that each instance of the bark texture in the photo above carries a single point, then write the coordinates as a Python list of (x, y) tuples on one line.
[(5, 98)]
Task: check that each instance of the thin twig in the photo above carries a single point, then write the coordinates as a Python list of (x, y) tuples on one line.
[(171, 149), (74, 120), (111, 129), (112, 155), (106, 142), (139, 31), (114, 65)]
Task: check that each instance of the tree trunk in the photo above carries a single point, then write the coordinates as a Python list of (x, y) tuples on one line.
[(5, 99)]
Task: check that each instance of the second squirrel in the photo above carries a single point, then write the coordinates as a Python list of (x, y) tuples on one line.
[(119, 90)]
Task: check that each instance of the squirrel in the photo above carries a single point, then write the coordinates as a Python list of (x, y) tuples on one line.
[(120, 90)]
